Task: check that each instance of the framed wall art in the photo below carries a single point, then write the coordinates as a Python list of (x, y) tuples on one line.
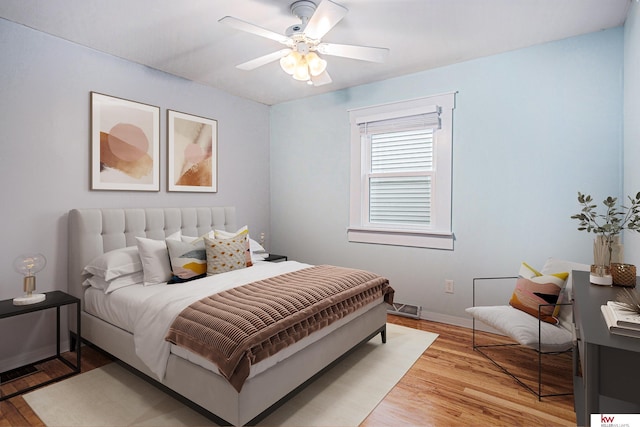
[(125, 144), (192, 153)]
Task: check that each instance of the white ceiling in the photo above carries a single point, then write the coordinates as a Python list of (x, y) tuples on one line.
[(184, 38)]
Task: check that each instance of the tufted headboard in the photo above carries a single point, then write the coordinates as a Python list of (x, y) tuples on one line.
[(95, 231)]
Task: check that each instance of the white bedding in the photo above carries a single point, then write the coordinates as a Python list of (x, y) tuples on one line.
[(149, 311)]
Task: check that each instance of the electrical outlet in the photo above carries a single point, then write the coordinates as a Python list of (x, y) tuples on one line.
[(448, 286)]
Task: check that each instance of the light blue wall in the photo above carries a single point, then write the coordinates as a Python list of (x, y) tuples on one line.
[(631, 122), (531, 128), (44, 158)]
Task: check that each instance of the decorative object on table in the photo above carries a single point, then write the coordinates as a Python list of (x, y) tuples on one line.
[(623, 315), (607, 248), (601, 275), (192, 153), (608, 314), (623, 274), (125, 144), (28, 265), (630, 300)]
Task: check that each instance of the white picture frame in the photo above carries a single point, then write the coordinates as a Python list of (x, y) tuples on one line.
[(125, 144), (192, 153)]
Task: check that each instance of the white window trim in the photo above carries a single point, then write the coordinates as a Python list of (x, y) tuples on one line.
[(440, 235)]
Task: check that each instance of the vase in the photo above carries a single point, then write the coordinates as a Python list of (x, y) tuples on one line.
[(623, 274), (600, 271), (617, 251), (600, 275)]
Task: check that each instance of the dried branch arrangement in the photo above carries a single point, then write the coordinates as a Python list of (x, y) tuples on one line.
[(630, 299)]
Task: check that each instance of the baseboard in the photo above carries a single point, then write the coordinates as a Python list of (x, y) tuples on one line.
[(445, 318), (27, 358), (456, 321)]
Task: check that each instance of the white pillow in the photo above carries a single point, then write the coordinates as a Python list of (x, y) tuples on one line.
[(255, 246), (155, 259), (191, 239), (109, 286), (523, 327), (116, 263)]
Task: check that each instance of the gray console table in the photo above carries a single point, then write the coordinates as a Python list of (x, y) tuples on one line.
[(609, 363)]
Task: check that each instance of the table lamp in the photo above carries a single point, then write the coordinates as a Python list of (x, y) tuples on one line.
[(28, 265)]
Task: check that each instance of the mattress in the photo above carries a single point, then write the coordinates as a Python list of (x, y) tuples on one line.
[(123, 307)]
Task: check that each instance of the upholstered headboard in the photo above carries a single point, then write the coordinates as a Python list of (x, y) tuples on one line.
[(95, 231)]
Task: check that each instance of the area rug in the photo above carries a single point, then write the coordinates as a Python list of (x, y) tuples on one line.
[(344, 396)]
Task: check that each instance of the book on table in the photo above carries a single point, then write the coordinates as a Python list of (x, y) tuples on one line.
[(624, 317), (607, 313)]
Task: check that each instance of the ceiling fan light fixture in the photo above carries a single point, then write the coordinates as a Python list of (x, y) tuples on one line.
[(302, 70), (290, 62), (301, 59), (317, 65)]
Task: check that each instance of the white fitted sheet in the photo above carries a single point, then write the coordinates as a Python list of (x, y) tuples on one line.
[(122, 307)]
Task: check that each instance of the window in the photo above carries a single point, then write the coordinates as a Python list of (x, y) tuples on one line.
[(401, 173)]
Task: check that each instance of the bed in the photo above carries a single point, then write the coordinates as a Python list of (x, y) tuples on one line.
[(94, 232)]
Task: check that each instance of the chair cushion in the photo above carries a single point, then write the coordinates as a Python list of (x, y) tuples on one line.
[(523, 328), (534, 289)]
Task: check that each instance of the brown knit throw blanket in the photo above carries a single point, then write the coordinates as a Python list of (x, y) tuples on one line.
[(242, 326)]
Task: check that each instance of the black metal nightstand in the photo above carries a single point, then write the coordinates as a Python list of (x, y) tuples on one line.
[(54, 299), (276, 258)]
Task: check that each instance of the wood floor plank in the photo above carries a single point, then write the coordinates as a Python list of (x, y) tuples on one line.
[(449, 385)]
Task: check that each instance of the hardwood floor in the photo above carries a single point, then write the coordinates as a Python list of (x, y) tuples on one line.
[(453, 385), (450, 385)]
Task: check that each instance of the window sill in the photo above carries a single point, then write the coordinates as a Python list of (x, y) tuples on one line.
[(418, 239)]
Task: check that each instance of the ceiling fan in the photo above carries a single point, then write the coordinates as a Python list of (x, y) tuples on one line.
[(303, 42)]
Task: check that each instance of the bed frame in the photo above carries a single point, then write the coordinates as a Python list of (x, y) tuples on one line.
[(95, 231)]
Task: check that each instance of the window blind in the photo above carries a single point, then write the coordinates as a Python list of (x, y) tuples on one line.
[(412, 122), (404, 201), (402, 151), (400, 173)]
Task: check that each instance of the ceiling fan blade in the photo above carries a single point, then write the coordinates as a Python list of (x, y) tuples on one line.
[(321, 79), (364, 53), (239, 24), (263, 60), (326, 16)]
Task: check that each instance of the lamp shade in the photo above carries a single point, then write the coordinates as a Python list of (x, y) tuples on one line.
[(317, 65), (302, 70), (288, 63), (28, 265), (303, 66)]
